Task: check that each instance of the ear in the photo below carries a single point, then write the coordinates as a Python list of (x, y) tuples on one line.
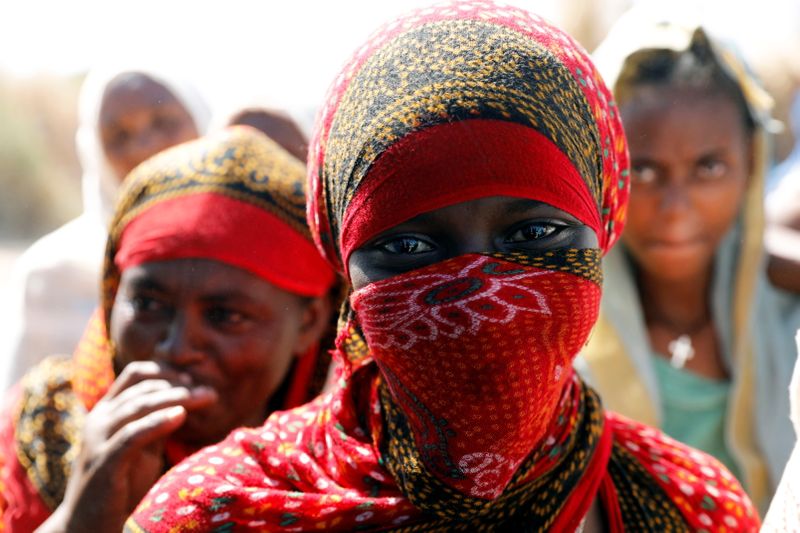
[(316, 318)]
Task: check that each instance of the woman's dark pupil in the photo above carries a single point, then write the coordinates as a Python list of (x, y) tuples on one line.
[(534, 231), (409, 245)]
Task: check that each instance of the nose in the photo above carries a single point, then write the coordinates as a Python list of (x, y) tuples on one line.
[(180, 345), (675, 201), (148, 143), (473, 240)]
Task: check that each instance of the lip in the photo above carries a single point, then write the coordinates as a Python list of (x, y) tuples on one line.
[(679, 242), (675, 246)]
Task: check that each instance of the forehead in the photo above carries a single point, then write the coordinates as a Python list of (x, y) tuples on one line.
[(131, 92), (195, 276), (657, 113), (666, 99), (487, 210)]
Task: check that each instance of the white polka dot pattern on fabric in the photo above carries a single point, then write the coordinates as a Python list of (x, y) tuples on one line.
[(710, 496), (187, 510), (220, 517)]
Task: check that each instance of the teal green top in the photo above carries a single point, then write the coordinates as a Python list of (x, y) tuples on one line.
[(694, 410)]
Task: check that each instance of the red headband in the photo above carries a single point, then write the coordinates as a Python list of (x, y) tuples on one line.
[(214, 226), (461, 161)]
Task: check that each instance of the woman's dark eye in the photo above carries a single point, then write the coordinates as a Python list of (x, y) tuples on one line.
[(711, 169), (146, 304), (405, 245), (225, 316), (644, 174), (533, 232), (117, 141), (162, 122)]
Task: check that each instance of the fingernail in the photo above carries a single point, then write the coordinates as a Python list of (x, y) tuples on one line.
[(175, 412), (203, 390), (185, 379)]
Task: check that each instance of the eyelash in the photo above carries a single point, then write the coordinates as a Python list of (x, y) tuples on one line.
[(385, 246), (707, 168), (224, 316), (410, 243), (550, 228), (145, 304)]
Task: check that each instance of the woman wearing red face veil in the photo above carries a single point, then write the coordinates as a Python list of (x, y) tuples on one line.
[(467, 173)]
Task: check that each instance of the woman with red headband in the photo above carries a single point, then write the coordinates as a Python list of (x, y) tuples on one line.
[(467, 174), (214, 300)]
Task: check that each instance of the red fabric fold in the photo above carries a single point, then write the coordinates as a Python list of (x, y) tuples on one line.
[(214, 226)]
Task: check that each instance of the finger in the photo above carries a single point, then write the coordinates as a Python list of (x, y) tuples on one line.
[(139, 371), (142, 388), (145, 431), (139, 406)]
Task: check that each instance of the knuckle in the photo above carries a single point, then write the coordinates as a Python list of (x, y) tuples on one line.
[(139, 370)]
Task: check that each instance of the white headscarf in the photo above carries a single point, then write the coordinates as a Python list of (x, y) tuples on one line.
[(100, 183)]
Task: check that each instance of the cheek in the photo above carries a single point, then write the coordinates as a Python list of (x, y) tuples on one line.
[(133, 341), (119, 163), (167, 137), (257, 363), (719, 205), (641, 208), (186, 133)]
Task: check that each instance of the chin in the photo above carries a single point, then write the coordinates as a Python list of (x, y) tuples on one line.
[(675, 271), (197, 430), (673, 263)]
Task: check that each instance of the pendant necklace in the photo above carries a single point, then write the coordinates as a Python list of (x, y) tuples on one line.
[(680, 350)]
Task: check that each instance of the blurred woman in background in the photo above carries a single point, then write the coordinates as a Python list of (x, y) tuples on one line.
[(125, 116), (692, 337), (276, 124)]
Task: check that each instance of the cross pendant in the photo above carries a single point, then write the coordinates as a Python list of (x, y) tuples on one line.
[(681, 350)]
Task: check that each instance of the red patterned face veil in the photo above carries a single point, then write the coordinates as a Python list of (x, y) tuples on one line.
[(476, 353)]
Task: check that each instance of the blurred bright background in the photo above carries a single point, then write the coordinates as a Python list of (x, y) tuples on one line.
[(281, 52)]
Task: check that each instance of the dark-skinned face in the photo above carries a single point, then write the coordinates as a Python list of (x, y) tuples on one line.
[(278, 127), (224, 327), (691, 157), (139, 117), (492, 224)]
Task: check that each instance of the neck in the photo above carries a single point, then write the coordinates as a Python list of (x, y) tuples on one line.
[(682, 305)]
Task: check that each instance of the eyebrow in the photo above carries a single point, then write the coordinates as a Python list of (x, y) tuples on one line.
[(147, 283), (228, 295), (523, 205)]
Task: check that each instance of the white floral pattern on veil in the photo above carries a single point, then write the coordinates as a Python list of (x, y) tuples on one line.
[(423, 307)]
